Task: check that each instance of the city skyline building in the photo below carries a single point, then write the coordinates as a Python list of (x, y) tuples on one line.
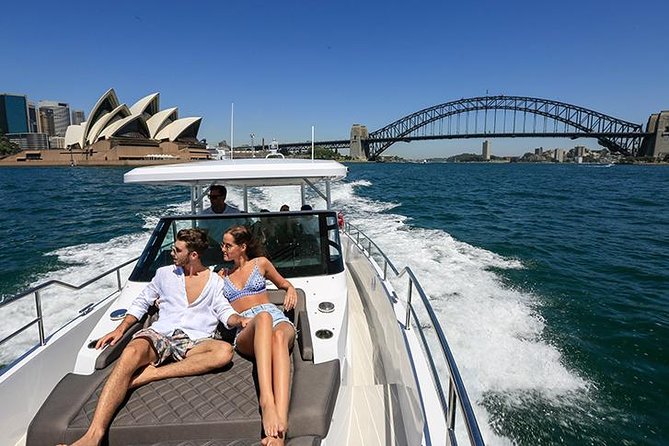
[(13, 113), (78, 117), (33, 118), (58, 119), (485, 151)]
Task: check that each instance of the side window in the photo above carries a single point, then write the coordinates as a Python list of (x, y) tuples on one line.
[(334, 245)]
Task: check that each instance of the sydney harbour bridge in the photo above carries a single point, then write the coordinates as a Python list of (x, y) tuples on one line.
[(506, 117)]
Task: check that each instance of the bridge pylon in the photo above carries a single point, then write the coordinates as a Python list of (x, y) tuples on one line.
[(359, 147), (656, 144)]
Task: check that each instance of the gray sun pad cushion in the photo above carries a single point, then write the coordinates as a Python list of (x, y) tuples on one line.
[(219, 408)]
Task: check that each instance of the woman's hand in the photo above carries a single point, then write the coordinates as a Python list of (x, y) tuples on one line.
[(290, 301)]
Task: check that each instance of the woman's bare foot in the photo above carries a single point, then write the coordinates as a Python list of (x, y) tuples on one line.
[(272, 441), (271, 422)]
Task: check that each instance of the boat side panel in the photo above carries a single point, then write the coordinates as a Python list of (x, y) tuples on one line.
[(27, 384), (86, 357), (394, 364)]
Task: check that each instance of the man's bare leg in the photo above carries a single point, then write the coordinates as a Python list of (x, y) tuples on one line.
[(204, 357), (136, 354)]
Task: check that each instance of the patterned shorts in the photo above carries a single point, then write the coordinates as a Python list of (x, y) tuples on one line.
[(166, 347)]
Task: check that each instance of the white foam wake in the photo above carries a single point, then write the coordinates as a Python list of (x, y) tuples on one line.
[(494, 331)]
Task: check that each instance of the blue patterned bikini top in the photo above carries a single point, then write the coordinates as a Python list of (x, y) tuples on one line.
[(255, 284)]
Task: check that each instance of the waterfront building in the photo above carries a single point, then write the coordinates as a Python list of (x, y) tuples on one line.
[(485, 151), (30, 141), (56, 142), (558, 155), (57, 115), (78, 117), (579, 151), (13, 113)]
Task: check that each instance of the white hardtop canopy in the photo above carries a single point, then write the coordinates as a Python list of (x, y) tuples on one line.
[(200, 175)]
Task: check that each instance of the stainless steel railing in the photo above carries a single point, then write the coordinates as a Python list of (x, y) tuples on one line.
[(36, 291), (457, 395)]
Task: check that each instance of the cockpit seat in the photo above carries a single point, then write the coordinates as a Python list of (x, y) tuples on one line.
[(219, 408)]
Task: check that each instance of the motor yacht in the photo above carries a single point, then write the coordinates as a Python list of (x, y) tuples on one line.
[(370, 365)]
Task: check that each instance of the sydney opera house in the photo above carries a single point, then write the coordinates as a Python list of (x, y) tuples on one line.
[(117, 134)]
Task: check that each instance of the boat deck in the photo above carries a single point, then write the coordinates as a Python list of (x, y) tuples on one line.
[(372, 405)]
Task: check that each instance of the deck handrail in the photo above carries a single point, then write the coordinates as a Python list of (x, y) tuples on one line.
[(39, 320), (457, 393)]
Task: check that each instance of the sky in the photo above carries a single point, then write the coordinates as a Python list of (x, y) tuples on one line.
[(290, 65)]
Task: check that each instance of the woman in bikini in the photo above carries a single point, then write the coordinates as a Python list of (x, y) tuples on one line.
[(269, 335)]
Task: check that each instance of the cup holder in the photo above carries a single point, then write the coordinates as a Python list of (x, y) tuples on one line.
[(323, 334)]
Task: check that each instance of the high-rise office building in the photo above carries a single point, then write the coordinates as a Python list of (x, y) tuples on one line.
[(78, 117), (33, 118), (485, 152), (13, 113), (60, 114), (46, 121)]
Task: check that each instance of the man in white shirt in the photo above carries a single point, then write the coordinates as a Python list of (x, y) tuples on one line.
[(191, 305)]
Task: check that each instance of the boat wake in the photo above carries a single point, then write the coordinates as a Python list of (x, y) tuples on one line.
[(495, 331)]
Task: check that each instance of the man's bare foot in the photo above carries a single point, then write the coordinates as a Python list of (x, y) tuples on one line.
[(148, 374), (86, 440), (271, 422)]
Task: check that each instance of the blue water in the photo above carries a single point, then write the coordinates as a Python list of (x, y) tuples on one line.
[(551, 281)]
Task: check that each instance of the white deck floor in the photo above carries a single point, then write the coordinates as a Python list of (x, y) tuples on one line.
[(369, 410)]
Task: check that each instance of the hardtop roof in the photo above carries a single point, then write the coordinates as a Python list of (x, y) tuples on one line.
[(242, 172)]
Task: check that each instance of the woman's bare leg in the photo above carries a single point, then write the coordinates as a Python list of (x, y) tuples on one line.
[(256, 340), (283, 337)]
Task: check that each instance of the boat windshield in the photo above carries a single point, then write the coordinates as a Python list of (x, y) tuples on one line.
[(299, 244)]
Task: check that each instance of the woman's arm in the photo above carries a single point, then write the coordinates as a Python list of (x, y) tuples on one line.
[(270, 272)]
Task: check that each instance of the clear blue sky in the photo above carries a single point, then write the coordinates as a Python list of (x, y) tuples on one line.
[(288, 65)]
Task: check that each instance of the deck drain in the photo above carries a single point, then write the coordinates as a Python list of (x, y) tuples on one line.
[(323, 334), (326, 307)]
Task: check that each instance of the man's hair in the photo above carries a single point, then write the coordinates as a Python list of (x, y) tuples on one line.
[(220, 189), (195, 239), (241, 235)]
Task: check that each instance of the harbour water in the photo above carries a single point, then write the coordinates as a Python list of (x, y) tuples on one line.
[(551, 281)]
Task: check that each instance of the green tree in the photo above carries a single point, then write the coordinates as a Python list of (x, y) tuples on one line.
[(7, 147)]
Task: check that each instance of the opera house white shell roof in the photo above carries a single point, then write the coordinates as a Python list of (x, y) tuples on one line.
[(109, 118)]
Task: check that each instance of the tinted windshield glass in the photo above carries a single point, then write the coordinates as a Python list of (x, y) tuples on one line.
[(299, 244)]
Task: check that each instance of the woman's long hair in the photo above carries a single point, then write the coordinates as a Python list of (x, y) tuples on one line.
[(242, 235)]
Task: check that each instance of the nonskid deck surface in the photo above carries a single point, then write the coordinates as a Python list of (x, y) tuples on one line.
[(219, 408)]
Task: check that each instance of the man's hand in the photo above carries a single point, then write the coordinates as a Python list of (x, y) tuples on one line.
[(244, 321), (110, 338)]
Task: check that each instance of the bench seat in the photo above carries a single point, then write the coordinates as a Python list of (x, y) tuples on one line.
[(218, 408)]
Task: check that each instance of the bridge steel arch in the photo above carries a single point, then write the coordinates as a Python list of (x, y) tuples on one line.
[(615, 134)]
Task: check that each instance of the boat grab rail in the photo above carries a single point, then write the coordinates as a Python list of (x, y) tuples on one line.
[(456, 388), (39, 320)]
